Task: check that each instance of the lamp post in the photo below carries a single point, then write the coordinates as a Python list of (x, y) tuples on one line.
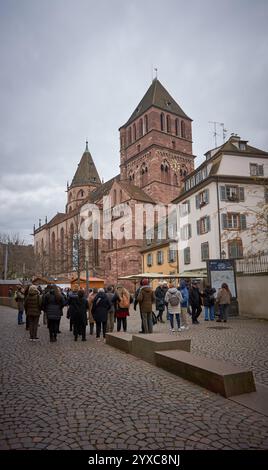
[(87, 270)]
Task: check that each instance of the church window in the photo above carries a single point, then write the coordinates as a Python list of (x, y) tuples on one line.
[(146, 123), (162, 121), (121, 195), (168, 124), (134, 132), (183, 129), (175, 180), (70, 209), (173, 144), (109, 264), (177, 126), (139, 148), (165, 173), (114, 197), (70, 196), (144, 174), (140, 128), (81, 193), (129, 135)]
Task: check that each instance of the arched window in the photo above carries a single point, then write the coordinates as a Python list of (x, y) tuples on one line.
[(144, 174), (114, 197), (183, 129), (70, 196), (140, 128), (173, 144), (134, 132), (53, 251), (81, 193), (124, 265), (175, 180), (70, 209), (121, 195), (168, 124), (162, 121), (165, 172), (42, 246), (177, 126), (129, 135), (145, 123), (109, 264), (62, 257)]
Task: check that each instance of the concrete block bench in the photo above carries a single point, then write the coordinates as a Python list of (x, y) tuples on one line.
[(145, 345), (120, 340), (217, 376)]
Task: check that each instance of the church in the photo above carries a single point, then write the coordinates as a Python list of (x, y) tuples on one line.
[(155, 157)]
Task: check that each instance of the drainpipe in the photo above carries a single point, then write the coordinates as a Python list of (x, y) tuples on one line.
[(218, 211)]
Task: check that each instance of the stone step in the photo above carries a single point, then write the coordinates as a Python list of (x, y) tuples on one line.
[(120, 340), (145, 345), (217, 376)]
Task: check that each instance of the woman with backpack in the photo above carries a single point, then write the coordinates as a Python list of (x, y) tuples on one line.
[(173, 300), (208, 302), (121, 300)]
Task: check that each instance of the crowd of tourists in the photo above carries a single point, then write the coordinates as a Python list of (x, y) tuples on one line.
[(180, 305)]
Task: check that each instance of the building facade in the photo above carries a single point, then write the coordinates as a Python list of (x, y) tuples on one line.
[(155, 157), (223, 209)]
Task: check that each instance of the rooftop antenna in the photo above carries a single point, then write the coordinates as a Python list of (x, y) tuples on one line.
[(156, 70), (215, 133)]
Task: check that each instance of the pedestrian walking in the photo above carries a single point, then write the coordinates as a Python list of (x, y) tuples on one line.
[(19, 298), (224, 297), (91, 320), (173, 299), (53, 303), (195, 302), (184, 306), (121, 301), (111, 312), (100, 308), (146, 298), (160, 306), (32, 305), (209, 303), (78, 307)]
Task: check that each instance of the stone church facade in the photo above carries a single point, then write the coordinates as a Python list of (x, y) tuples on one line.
[(155, 156)]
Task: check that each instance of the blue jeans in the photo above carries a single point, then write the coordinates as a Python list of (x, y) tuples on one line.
[(171, 319), (209, 313), (20, 317), (223, 311)]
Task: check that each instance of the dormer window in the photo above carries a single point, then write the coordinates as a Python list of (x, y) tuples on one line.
[(242, 146)]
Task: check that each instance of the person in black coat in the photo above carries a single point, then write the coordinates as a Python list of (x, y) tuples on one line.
[(100, 308), (78, 307), (209, 302), (53, 303), (160, 294), (195, 302)]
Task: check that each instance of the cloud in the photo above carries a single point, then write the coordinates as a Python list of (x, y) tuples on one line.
[(72, 71)]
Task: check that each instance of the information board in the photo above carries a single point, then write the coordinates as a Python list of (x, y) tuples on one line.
[(220, 271)]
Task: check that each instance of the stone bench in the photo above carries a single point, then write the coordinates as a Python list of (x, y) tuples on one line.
[(217, 376), (120, 340), (145, 345)]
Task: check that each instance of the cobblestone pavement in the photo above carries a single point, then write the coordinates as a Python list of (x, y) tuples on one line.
[(87, 395)]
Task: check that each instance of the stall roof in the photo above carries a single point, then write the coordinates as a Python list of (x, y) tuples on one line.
[(201, 273)]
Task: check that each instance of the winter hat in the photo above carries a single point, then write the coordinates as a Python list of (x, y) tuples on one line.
[(145, 282)]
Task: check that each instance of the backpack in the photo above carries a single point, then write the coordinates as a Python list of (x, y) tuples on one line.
[(174, 299), (124, 302)]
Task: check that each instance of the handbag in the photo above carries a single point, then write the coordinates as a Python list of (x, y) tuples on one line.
[(154, 318)]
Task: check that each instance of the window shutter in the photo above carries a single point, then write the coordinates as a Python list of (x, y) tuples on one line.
[(208, 223), (197, 201), (223, 193), (188, 207), (243, 222), (207, 196), (260, 170), (224, 221), (189, 231), (198, 227), (241, 193)]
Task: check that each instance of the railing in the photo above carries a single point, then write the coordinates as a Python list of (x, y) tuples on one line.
[(253, 264)]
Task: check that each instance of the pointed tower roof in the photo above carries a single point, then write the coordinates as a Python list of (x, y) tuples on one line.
[(159, 97), (86, 172)]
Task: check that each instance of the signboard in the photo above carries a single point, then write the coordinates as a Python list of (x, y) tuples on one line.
[(220, 271)]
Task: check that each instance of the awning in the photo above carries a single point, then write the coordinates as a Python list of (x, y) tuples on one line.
[(195, 274)]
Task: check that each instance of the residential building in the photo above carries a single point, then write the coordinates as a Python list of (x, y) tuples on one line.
[(224, 206)]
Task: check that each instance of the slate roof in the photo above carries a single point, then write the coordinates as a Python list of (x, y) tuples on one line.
[(86, 172), (159, 97)]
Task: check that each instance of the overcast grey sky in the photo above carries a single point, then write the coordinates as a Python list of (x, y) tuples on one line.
[(72, 70)]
